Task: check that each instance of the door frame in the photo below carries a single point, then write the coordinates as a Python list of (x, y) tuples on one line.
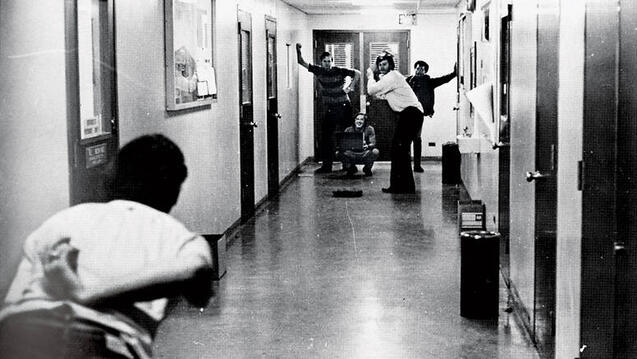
[(91, 159)]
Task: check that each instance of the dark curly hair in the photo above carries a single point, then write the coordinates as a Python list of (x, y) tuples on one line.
[(423, 64), (386, 55), (150, 170)]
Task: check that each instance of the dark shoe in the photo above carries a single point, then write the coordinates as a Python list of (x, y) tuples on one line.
[(367, 171), (418, 169), (324, 169), (387, 190)]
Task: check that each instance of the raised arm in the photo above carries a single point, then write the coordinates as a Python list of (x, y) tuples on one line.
[(299, 57), (444, 79), (384, 85)]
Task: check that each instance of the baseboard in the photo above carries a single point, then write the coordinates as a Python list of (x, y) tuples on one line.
[(521, 312), (232, 231)]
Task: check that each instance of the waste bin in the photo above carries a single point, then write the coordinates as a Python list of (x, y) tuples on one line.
[(479, 274), (451, 163), (217, 244)]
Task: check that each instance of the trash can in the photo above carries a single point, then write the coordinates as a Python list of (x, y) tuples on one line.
[(217, 244), (451, 163), (479, 274)]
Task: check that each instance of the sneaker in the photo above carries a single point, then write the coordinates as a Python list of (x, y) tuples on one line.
[(418, 169)]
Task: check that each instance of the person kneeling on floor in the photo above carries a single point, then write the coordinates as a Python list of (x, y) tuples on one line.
[(369, 152)]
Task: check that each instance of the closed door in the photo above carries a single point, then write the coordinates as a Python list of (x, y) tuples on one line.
[(272, 104), (544, 175), (92, 97), (345, 49), (246, 120), (503, 145), (601, 178), (625, 247)]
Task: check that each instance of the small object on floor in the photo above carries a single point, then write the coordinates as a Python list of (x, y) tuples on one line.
[(323, 169), (391, 190), (347, 193), (418, 169)]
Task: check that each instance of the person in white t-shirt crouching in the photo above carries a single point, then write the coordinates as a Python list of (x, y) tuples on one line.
[(95, 277)]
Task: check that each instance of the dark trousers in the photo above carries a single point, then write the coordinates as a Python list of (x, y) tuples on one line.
[(337, 117), (401, 179), (52, 334)]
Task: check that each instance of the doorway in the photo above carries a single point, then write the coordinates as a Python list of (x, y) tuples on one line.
[(92, 97), (272, 107), (358, 49), (246, 120), (345, 49)]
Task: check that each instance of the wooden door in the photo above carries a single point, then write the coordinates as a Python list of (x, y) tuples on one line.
[(625, 247), (92, 97), (503, 145), (598, 180), (272, 104), (246, 120)]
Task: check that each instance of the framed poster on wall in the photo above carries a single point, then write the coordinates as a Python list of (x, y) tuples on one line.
[(190, 75)]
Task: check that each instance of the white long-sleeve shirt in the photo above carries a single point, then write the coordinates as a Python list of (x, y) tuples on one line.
[(393, 88)]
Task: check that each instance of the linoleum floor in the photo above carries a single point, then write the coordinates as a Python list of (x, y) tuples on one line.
[(314, 276)]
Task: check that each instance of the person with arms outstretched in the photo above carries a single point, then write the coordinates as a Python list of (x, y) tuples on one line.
[(336, 103), (424, 87), (391, 86)]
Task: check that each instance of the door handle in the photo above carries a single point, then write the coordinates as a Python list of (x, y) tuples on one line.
[(277, 115), (253, 124), (536, 175), (500, 145), (619, 247)]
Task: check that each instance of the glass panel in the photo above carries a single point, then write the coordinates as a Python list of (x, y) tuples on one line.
[(342, 57), (194, 78), (341, 53), (271, 68), (246, 78), (375, 48), (95, 68)]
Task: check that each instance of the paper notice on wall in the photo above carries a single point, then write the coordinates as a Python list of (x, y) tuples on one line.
[(481, 98), (206, 74)]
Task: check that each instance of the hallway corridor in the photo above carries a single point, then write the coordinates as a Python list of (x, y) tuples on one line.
[(313, 276)]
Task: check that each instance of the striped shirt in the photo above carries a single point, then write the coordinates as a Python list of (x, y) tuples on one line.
[(332, 81)]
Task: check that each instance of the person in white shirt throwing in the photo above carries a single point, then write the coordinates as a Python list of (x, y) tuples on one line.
[(391, 86)]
